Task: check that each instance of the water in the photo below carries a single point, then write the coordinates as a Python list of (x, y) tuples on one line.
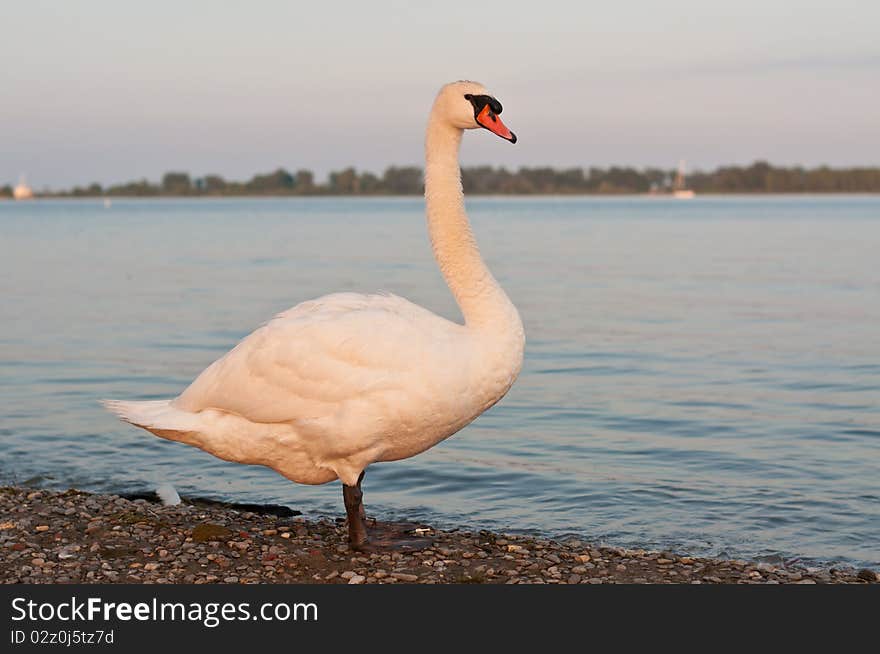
[(703, 375)]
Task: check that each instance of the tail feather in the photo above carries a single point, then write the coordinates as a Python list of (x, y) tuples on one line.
[(165, 421), (230, 437), (161, 418), (142, 414)]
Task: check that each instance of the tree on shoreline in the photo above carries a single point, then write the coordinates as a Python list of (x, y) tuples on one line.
[(176, 184)]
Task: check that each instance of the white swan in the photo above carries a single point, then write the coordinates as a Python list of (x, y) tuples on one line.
[(330, 386)]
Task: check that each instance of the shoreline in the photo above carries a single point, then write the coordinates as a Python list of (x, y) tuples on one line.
[(77, 537), (386, 196)]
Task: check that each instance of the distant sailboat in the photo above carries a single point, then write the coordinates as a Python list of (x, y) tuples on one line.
[(22, 191), (679, 188)]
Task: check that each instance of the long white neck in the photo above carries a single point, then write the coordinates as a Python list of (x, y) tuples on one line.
[(483, 303)]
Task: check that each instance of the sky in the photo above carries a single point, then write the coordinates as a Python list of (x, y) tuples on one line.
[(109, 91)]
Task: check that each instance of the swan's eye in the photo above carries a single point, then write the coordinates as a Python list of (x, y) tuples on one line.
[(481, 101)]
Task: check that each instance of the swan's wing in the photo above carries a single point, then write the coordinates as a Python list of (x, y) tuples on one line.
[(310, 361)]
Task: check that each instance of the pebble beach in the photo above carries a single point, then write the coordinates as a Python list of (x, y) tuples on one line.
[(76, 537)]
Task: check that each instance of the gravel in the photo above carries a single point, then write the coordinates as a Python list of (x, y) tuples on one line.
[(76, 537)]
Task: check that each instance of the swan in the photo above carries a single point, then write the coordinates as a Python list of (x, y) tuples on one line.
[(334, 384)]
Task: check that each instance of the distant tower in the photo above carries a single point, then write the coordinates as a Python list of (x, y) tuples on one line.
[(22, 191), (679, 187)]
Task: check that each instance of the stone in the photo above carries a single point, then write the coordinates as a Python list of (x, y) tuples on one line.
[(207, 531), (867, 575)]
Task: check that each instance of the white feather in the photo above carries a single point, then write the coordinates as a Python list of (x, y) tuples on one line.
[(168, 494)]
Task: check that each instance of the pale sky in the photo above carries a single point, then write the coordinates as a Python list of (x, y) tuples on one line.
[(109, 91)]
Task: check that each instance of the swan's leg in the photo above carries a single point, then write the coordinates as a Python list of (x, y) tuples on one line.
[(388, 536), (363, 511), (354, 508)]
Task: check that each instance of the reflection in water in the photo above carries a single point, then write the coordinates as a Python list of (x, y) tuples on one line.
[(701, 375)]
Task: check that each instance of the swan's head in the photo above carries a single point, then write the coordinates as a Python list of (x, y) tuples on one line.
[(467, 105)]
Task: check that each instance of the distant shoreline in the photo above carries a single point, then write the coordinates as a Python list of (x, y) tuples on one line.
[(328, 196), (757, 178)]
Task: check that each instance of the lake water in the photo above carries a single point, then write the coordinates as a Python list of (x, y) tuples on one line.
[(702, 376)]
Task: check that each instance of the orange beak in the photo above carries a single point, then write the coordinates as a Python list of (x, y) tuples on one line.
[(490, 120)]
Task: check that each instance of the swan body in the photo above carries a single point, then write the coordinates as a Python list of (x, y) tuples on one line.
[(334, 384)]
